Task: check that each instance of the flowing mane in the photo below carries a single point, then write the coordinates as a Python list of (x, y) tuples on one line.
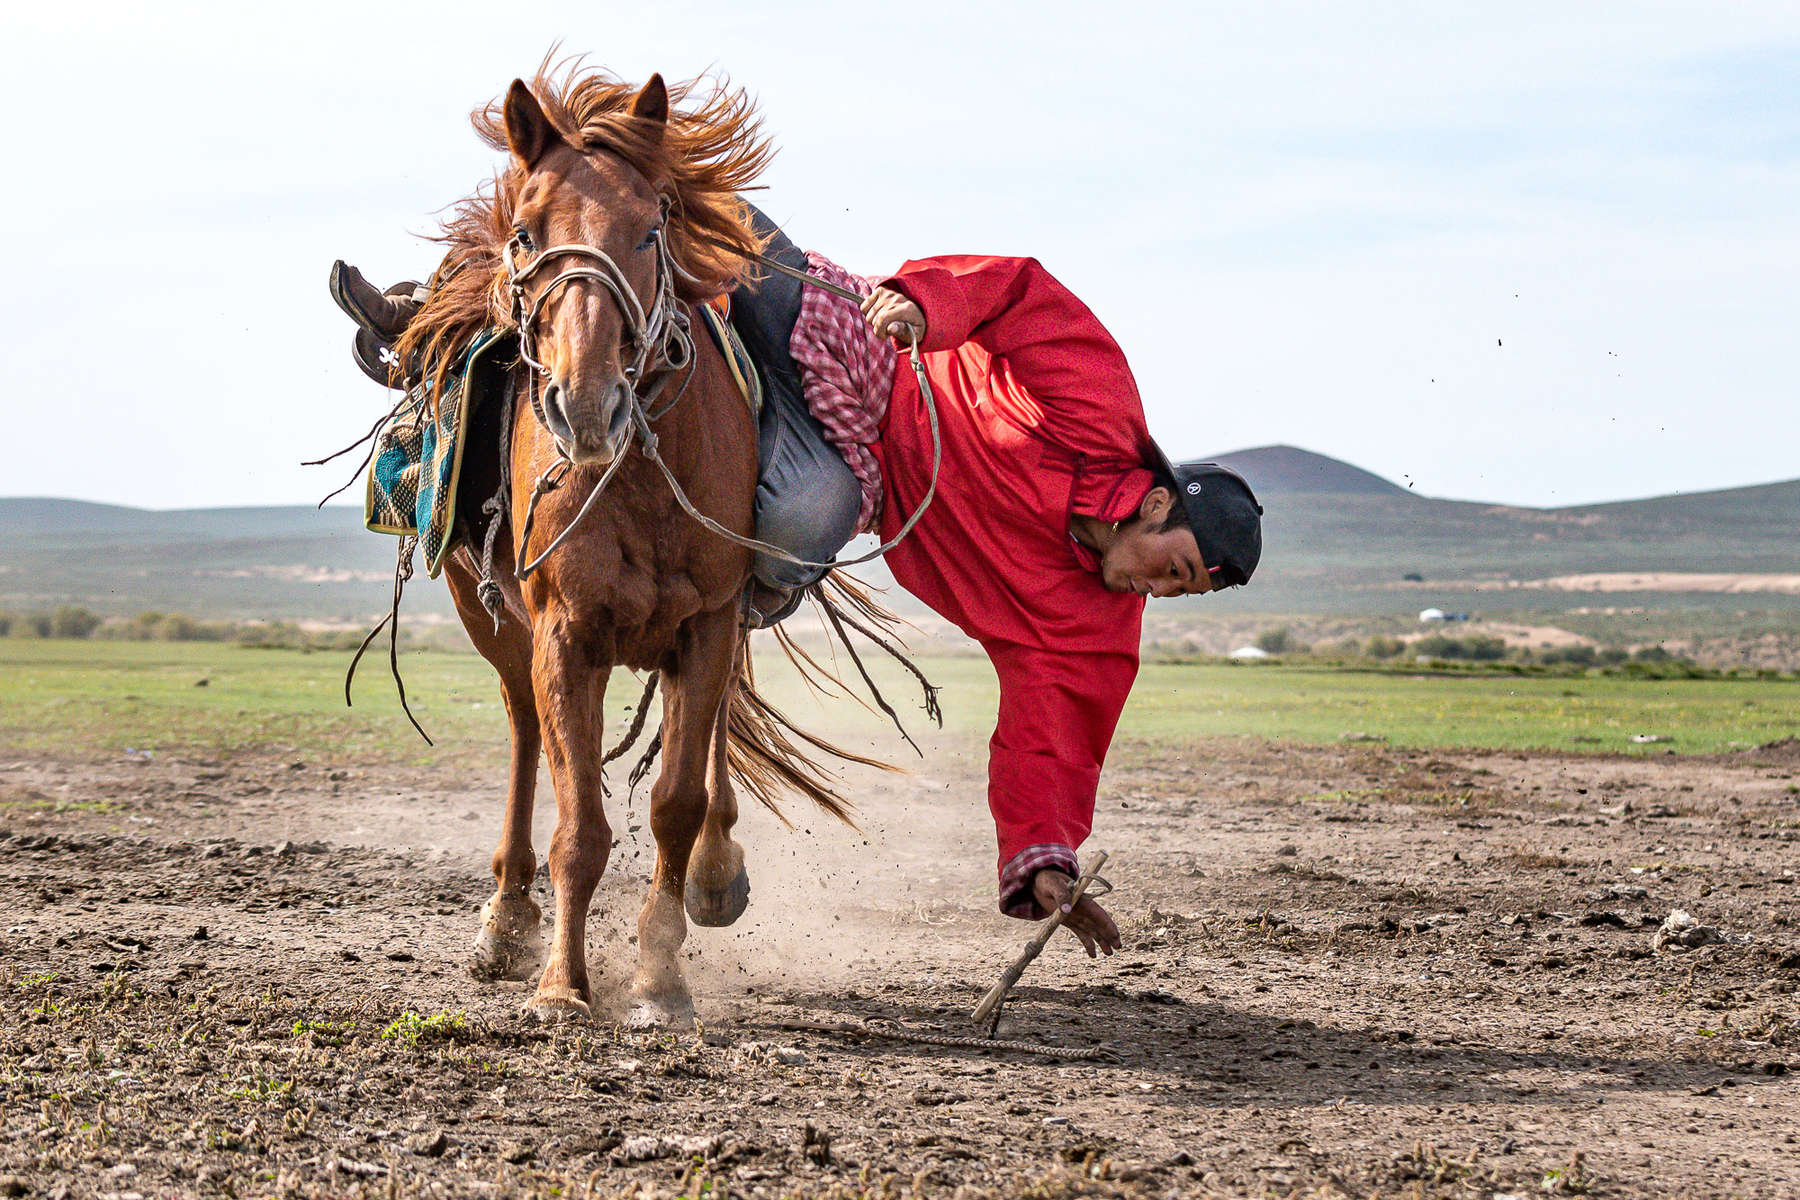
[(712, 149)]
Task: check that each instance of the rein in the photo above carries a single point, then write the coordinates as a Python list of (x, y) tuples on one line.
[(663, 339)]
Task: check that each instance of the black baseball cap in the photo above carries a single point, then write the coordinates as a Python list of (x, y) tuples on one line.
[(1223, 514)]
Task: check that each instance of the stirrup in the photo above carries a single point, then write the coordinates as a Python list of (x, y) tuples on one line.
[(372, 356), (781, 604), (383, 314)]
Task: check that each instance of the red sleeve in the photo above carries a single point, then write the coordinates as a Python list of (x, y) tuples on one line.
[(1058, 710), (1056, 349)]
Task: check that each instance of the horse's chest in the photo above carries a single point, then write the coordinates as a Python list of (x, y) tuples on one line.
[(629, 589)]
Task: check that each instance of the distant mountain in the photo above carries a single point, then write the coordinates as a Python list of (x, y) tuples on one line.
[(1337, 538), (1277, 470)]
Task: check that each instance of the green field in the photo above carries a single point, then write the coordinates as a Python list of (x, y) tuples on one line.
[(98, 698)]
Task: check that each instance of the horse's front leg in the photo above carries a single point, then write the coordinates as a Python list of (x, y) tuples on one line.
[(571, 691), (509, 945), (691, 702)]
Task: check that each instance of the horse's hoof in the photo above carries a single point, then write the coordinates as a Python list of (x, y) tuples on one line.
[(661, 1014), (556, 1005), (509, 945), (499, 955), (717, 908)]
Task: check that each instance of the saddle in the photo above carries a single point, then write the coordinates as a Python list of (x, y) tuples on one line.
[(416, 466)]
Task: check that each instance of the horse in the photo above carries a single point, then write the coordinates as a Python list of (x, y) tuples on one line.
[(616, 215)]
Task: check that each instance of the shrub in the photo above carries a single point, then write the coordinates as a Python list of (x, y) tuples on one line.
[(71, 622), (1475, 648), (6, 624), (1274, 641), (1612, 656), (179, 627), (39, 624), (1651, 654), (1382, 646), (1575, 656)]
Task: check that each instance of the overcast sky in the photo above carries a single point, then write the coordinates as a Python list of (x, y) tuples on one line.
[(1537, 253)]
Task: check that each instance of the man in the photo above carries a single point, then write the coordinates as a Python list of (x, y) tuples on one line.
[(1054, 515)]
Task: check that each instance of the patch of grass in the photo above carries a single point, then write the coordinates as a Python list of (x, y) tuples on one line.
[(100, 698), (325, 1033), (1572, 1180), (262, 1089), (409, 1029)]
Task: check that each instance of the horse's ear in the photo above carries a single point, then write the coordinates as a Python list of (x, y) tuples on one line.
[(652, 101), (528, 131)]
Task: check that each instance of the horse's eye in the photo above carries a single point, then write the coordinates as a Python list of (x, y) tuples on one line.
[(523, 237), (650, 238)]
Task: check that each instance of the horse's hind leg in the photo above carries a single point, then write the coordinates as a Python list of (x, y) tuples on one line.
[(718, 885), (508, 945), (678, 806)]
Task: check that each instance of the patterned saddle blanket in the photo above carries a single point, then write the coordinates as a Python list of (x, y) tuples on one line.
[(418, 458)]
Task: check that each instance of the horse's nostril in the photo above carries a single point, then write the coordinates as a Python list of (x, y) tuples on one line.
[(554, 414)]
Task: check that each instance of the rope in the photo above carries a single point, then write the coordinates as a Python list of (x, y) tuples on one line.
[(955, 1041), (487, 590), (637, 721), (525, 572), (831, 615), (403, 570), (649, 448), (933, 710)]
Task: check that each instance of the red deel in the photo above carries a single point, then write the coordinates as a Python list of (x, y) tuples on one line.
[(1040, 419)]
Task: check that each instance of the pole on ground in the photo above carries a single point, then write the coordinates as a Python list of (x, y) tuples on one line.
[(989, 1008)]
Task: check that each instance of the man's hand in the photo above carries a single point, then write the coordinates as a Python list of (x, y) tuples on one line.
[(1088, 921), (892, 314)]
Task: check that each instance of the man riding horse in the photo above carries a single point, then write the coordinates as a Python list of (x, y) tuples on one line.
[(1054, 514)]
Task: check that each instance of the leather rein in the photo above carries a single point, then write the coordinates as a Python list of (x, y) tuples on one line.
[(662, 339)]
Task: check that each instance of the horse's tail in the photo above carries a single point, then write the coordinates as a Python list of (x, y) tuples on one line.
[(767, 751)]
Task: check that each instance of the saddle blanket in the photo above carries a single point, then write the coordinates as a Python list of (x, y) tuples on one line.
[(417, 463)]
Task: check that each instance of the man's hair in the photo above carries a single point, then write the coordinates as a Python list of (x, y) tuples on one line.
[(1177, 516)]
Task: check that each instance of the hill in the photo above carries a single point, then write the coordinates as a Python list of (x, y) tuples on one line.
[(1280, 470), (297, 561)]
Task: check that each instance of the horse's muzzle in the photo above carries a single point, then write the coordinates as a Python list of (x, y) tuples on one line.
[(589, 431)]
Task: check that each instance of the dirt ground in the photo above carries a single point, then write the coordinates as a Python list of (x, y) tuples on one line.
[(1348, 970)]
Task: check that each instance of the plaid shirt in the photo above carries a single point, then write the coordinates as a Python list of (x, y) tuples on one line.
[(846, 373)]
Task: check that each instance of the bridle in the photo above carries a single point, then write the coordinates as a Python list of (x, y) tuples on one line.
[(663, 342), (661, 335)]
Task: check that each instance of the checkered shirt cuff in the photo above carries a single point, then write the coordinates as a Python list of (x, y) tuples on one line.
[(1016, 899)]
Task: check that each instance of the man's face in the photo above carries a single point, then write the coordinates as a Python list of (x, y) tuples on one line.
[(1153, 563)]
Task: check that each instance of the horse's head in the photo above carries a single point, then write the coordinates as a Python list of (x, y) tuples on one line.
[(590, 271)]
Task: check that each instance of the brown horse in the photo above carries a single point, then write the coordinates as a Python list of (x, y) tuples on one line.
[(617, 214)]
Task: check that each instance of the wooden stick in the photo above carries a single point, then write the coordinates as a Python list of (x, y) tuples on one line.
[(990, 1003)]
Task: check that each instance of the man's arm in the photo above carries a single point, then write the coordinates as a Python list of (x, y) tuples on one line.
[(1054, 347)]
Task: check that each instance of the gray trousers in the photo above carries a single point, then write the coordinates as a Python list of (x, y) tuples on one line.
[(806, 497)]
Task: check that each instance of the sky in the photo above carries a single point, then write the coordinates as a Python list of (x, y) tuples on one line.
[(1527, 253)]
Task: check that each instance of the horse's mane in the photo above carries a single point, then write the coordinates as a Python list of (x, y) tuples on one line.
[(712, 149)]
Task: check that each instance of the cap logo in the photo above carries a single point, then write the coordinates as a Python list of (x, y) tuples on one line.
[(1193, 489)]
